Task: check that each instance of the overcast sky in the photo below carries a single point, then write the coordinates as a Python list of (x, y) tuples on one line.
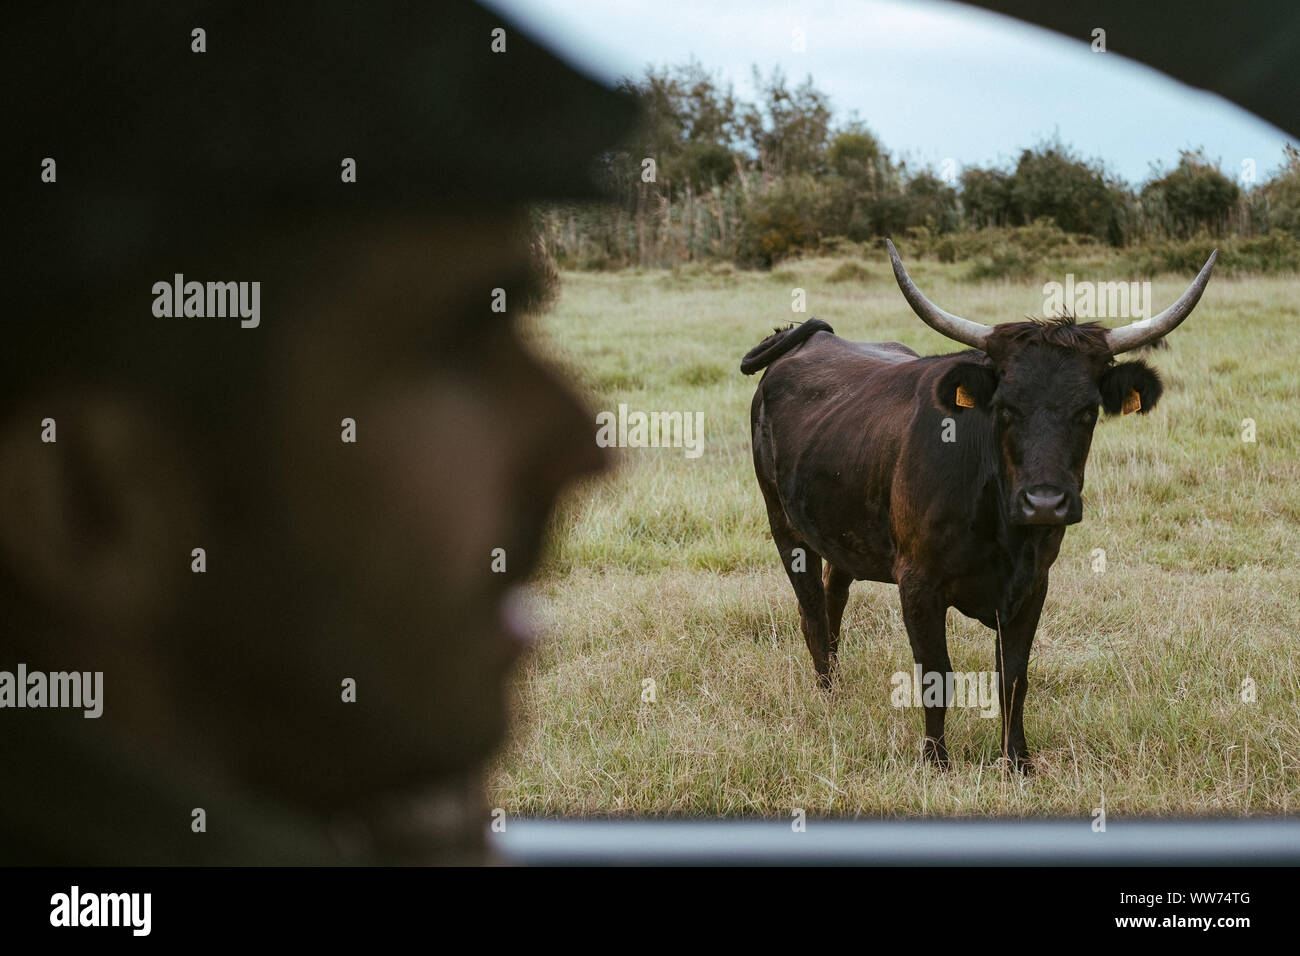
[(934, 80)]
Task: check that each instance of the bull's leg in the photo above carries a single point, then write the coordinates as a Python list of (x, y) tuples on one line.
[(924, 616), (805, 576), (1012, 650), (836, 583), (803, 567)]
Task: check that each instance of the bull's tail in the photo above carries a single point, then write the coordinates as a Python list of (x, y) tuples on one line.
[(779, 343)]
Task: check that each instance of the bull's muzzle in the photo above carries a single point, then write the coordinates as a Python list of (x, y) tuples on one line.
[(1045, 504)]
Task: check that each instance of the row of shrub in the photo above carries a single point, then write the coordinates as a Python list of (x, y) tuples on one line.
[(710, 178)]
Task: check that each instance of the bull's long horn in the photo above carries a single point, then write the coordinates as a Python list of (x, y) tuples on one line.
[(945, 323), (1145, 331)]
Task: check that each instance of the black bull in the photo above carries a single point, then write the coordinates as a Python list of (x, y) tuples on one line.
[(952, 476)]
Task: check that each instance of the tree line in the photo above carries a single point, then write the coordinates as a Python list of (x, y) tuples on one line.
[(708, 176)]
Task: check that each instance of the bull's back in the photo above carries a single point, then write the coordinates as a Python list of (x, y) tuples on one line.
[(830, 422)]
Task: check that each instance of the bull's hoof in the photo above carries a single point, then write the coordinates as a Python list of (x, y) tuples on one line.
[(826, 681), (1019, 761), (935, 753)]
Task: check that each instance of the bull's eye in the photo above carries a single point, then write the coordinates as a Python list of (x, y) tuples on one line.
[(1009, 415), (1087, 416)]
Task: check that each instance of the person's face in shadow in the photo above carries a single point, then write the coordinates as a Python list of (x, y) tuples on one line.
[(369, 560), (385, 546)]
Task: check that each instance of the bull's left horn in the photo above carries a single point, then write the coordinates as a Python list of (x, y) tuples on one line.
[(1145, 331), (945, 323)]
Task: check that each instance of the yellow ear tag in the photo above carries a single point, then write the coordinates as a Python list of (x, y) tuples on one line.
[(1133, 403), (964, 398)]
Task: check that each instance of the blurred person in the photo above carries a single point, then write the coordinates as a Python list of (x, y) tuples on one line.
[(325, 680)]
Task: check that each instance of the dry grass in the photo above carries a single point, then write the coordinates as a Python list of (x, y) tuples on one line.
[(666, 572)]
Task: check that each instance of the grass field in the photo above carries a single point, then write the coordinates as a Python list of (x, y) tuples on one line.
[(666, 572)]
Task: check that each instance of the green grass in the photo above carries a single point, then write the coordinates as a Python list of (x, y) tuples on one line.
[(666, 571)]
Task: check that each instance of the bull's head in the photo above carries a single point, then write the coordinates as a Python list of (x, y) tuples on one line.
[(1042, 383)]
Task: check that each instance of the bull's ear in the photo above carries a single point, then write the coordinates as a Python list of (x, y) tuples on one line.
[(966, 385), (1130, 387)]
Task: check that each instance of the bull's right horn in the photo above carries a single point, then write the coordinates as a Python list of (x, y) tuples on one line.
[(945, 323)]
